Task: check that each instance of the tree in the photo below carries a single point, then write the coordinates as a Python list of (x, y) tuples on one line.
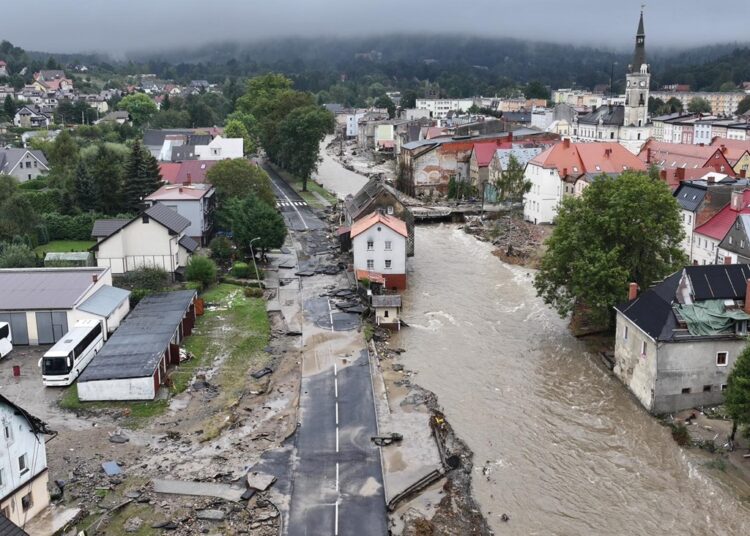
[(142, 177), (301, 133), (9, 107), (64, 152), (408, 98), (699, 105), (619, 231), (655, 105), (165, 104), (673, 105), (251, 126), (743, 106), (17, 216), (249, 218), (240, 178), (737, 395), (536, 90), (202, 270), (17, 256), (235, 129), (106, 168), (85, 187), (384, 101), (171, 119), (140, 107), (728, 87)]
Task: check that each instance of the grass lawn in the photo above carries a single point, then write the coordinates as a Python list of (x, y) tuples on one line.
[(238, 327), (64, 246), (312, 200)]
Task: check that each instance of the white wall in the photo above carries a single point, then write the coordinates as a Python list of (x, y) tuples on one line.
[(21, 442), (379, 234), (688, 224), (637, 370), (542, 201), (126, 389), (704, 249), (221, 149), (139, 244)]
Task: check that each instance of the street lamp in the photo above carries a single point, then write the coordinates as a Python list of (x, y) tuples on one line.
[(257, 275)]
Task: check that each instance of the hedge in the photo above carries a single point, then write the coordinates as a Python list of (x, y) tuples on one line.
[(64, 227)]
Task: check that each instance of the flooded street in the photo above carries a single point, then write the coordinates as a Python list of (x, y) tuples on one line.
[(565, 449)]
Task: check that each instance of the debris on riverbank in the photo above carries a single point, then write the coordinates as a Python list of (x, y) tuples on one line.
[(517, 241)]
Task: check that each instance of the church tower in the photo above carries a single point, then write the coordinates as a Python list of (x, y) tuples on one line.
[(637, 83)]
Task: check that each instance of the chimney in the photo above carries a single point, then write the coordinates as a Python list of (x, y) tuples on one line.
[(736, 200), (743, 173), (747, 297), (607, 152), (728, 259), (648, 155), (566, 143), (633, 291), (680, 174), (723, 148), (180, 189), (188, 179), (711, 179), (702, 144), (95, 277)]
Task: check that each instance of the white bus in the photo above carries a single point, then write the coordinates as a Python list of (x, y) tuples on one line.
[(62, 363), (6, 339)]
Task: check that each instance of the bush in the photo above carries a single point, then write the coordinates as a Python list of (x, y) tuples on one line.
[(64, 227), (17, 256), (241, 270), (150, 279), (202, 270), (253, 292), (44, 201), (221, 249), (681, 435)]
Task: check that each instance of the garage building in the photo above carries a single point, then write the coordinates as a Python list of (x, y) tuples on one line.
[(133, 363), (41, 304)]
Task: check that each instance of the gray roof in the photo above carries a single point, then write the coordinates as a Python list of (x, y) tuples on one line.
[(608, 115), (386, 300), (10, 157), (521, 154), (104, 228), (188, 243), (183, 152), (28, 289), (690, 196), (8, 528), (78, 256), (156, 137), (138, 345), (104, 301), (114, 116), (168, 217)]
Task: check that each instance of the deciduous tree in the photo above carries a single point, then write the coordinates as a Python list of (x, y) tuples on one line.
[(140, 107), (699, 105), (235, 129), (240, 178), (620, 230), (301, 133), (743, 106), (737, 396), (250, 218)]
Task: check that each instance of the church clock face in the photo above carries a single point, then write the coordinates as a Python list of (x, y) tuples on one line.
[(643, 83)]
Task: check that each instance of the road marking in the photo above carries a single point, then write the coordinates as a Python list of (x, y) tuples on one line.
[(337, 477), (337, 413), (336, 387), (290, 202), (337, 449), (335, 370), (330, 313), (336, 521)]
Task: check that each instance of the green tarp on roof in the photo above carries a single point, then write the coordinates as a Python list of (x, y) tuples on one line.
[(710, 317)]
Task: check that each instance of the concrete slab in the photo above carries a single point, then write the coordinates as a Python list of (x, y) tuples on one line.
[(198, 489), (51, 521), (260, 481), (210, 515)]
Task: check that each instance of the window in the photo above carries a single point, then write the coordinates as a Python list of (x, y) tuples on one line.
[(721, 359), (389, 210), (27, 502), (8, 432), (388, 263), (28, 165), (689, 218), (385, 314), (625, 333), (370, 264), (686, 390), (706, 388), (22, 465), (723, 386), (387, 245), (730, 240), (370, 245), (643, 348)]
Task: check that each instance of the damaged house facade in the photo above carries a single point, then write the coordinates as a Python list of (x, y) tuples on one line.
[(677, 342)]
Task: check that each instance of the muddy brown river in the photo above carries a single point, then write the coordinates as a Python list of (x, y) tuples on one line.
[(559, 445)]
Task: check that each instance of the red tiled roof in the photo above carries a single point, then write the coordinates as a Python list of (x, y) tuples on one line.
[(734, 148), (484, 153), (575, 159), (434, 132), (372, 276), (169, 171), (718, 226), (683, 155), (360, 226), (197, 170)]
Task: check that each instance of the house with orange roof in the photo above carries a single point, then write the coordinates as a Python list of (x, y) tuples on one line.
[(379, 250), (682, 161), (479, 162), (566, 169), (737, 152)]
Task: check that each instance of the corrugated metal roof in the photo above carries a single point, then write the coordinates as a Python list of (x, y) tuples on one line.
[(26, 289), (104, 301), (136, 348)]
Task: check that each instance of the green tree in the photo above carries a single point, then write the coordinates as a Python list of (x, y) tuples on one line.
[(249, 218), (140, 107), (171, 119), (142, 177), (409, 98), (673, 105), (235, 129), (301, 133), (240, 178), (699, 105), (202, 270), (64, 152), (728, 87), (536, 90), (17, 216), (17, 256), (620, 230), (165, 104), (9, 107), (106, 167), (384, 101), (743, 106), (737, 395), (655, 106), (85, 187)]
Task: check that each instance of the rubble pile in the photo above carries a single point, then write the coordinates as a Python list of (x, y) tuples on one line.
[(517, 241)]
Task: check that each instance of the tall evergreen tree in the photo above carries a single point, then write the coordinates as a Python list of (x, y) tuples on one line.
[(85, 187), (9, 107), (107, 173), (142, 177), (165, 104)]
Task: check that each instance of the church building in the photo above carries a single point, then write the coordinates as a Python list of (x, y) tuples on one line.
[(626, 124)]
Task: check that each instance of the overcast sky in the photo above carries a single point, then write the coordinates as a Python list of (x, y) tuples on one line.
[(118, 26)]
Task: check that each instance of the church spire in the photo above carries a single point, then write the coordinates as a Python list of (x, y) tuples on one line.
[(639, 56)]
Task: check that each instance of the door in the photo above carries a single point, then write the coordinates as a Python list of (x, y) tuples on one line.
[(59, 325), (18, 328), (51, 326)]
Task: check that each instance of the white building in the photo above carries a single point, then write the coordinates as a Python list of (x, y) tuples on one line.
[(41, 303), (196, 202), (23, 164), (708, 236), (379, 249), (352, 124), (23, 464), (439, 108), (156, 238), (220, 149)]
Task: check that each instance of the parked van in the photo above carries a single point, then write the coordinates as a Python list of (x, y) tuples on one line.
[(6, 339)]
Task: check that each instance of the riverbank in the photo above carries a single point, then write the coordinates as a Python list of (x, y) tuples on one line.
[(516, 241)]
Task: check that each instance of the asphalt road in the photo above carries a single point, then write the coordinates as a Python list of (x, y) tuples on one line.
[(298, 215)]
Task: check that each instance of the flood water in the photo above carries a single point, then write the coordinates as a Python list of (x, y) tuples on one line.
[(569, 451)]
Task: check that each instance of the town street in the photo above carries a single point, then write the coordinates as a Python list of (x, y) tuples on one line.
[(336, 475)]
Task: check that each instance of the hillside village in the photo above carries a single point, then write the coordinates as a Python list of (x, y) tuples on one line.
[(188, 300)]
